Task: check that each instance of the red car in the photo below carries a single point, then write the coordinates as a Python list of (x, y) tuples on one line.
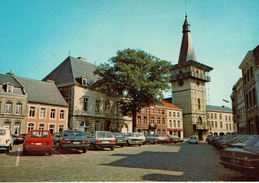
[(38, 141)]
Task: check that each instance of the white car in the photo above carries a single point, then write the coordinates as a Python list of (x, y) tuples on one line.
[(132, 139), (102, 139), (141, 136), (6, 139), (193, 140)]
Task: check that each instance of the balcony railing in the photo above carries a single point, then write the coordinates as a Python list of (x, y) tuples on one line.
[(152, 126), (192, 74), (202, 127)]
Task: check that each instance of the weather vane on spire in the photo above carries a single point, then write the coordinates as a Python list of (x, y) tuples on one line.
[(185, 8)]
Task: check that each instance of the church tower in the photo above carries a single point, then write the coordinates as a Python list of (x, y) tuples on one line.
[(188, 81)]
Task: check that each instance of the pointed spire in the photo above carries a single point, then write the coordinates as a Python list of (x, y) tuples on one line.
[(186, 51)]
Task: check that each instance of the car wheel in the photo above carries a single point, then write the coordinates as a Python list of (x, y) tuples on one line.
[(139, 145), (112, 148), (24, 153), (121, 145), (8, 150), (50, 153), (84, 150), (128, 143)]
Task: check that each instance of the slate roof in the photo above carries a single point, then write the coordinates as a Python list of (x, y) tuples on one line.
[(70, 69), (218, 108), (42, 92), (18, 88)]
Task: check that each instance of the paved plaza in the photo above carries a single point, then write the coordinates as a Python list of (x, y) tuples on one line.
[(169, 162)]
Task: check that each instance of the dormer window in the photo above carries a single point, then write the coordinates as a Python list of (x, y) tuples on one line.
[(84, 81), (8, 87)]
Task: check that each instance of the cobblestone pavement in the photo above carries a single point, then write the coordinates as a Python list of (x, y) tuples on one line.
[(170, 162)]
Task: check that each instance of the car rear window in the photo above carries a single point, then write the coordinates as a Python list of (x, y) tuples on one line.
[(104, 134), (39, 134), (2, 132)]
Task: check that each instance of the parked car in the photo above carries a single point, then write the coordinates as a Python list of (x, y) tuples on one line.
[(120, 139), (18, 139), (55, 137), (162, 138), (174, 139), (102, 139), (72, 139), (132, 139), (213, 139), (193, 140), (223, 140), (6, 140), (141, 136), (150, 139), (238, 142), (87, 134), (38, 141), (245, 160)]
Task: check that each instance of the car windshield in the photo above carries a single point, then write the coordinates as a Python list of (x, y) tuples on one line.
[(39, 134), (2, 132), (74, 133), (104, 134), (117, 134), (130, 134)]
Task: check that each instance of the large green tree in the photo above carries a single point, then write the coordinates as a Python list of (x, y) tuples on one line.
[(140, 78)]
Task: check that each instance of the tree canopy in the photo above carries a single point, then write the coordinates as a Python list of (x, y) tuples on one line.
[(140, 78)]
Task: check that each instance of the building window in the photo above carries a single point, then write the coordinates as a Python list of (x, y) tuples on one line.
[(7, 124), (8, 87), (52, 113), (199, 103), (42, 112), (173, 114), (145, 120), (145, 110), (32, 111), (30, 126), (212, 124), (152, 120), (215, 115), (60, 128), (152, 111), (174, 123), (85, 104), (52, 128), (170, 123), (17, 126), (62, 114), (97, 126), (178, 114), (84, 81), (18, 109), (8, 108), (220, 116), (178, 124), (227, 126), (139, 120), (221, 126), (163, 112), (211, 115), (41, 126), (107, 107), (170, 114), (97, 106), (216, 124), (158, 120)]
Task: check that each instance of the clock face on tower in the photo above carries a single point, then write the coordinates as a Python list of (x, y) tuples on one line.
[(180, 82)]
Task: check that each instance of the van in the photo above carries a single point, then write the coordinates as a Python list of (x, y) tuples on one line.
[(6, 139)]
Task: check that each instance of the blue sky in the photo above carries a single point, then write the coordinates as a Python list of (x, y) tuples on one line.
[(37, 35)]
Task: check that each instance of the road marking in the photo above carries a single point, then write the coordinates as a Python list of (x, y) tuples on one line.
[(64, 156), (18, 158), (17, 161)]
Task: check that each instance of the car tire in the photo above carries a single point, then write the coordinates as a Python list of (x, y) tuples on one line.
[(84, 150), (121, 145), (139, 145), (112, 148), (24, 153), (50, 153), (128, 144), (8, 150)]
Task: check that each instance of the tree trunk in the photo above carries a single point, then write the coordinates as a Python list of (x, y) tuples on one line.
[(134, 117)]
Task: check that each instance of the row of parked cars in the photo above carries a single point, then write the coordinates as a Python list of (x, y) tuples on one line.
[(238, 152), (44, 141)]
